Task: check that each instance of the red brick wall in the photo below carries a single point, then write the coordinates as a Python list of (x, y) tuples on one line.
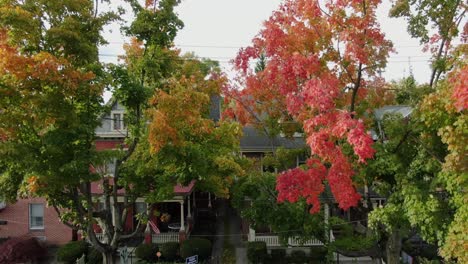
[(108, 144), (17, 216)]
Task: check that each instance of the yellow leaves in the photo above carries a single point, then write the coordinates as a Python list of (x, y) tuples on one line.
[(161, 132), (178, 115), (456, 243), (32, 184)]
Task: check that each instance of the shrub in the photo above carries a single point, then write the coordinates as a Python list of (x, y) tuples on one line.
[(278, 253), (196, 246), (72, 251), (147, 252), (94, 256), (257, 252), (169, 251), (318, 253), (298, 256), (18, 250)]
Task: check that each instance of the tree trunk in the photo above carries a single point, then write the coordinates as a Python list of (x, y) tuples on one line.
[(109, 257), (393, 247)]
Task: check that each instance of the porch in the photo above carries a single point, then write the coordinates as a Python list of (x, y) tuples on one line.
[(272, 240)]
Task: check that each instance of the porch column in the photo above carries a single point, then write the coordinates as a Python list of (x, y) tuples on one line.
[(182, 234), (182, 220), (209, 200), (189, 214), (328, 230), (251, 234)]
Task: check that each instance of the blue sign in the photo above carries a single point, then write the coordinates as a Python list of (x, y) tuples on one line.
[(192, 260)]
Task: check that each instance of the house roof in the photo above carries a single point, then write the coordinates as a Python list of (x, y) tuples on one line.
[(184, 190), (255, 141), (404, 110)]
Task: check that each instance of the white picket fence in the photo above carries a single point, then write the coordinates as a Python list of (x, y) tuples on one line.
[(100, 236), (165, 237), (274, 241), (271, 241)]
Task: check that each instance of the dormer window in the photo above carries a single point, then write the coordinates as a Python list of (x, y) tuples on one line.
[(118, 120)]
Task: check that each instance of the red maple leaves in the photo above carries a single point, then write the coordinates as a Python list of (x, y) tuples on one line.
[(318, 61)]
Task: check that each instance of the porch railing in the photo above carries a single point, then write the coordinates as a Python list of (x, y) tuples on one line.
[(271, 241), (296, 242), (274, 241), (165, 237), (100, 236)]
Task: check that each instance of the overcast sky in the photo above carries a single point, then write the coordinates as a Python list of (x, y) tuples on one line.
[(216, 29)]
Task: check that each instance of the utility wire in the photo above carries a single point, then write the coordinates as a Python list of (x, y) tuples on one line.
[(238, 47), (229, 60)]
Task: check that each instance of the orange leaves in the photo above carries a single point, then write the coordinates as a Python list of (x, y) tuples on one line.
[(161, 132), (178, 116), (32, 184), (32, 73), (460, 88)]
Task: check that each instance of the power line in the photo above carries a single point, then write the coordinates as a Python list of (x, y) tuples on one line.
[(238, 47), (229, 60)]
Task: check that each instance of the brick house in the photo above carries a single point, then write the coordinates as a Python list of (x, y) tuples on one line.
[(33, 218)]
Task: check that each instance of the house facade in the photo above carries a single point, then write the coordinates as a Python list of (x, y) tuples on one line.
[(33, 218)]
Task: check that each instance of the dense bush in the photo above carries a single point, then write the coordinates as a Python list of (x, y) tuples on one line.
[(94, 256), (318, 253), (257, 252), (70, 252), (18, 250), (278, 254), (298, 256), (169, 251), (196, 246), (147, 252)]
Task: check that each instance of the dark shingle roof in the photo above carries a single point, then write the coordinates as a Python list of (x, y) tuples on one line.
[(253, 141)]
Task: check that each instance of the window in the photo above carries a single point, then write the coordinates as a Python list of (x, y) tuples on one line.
[(110, 167), (118, 121), (36, 216)]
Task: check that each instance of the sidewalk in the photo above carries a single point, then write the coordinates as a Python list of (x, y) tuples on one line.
[(236, 236), (228, 215)]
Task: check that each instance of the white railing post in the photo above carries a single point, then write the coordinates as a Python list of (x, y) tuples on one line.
[(209, 200), (251, 234), (182, 220)]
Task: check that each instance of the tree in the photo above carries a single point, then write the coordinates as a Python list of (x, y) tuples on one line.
[(51, 86), (320, 62), (444, 115), (426, 16)]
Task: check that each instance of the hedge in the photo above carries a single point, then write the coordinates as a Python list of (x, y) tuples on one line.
[(94, 256), (169, 251), (298, 256), (257, 252), (318, 253), (72, 251), (196, 246), (147, 252)]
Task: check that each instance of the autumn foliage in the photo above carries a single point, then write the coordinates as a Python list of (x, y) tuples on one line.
[(319, 62)]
